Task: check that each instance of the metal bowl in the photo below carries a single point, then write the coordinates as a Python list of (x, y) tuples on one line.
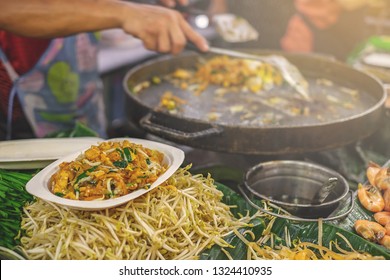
[(293, 185)]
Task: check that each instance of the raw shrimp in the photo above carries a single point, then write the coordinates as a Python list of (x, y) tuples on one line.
[(370, 230), (386, 199), (382, 218), (387, 228), (385, 241), (372, 171), (371, 198), (382, 179)]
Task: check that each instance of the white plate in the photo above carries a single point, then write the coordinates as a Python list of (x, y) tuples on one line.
[(38, 153), (234, 29), (378, 60), (39, 184)]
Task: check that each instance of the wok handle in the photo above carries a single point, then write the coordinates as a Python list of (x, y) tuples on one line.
[(147, 123), (295, 218)]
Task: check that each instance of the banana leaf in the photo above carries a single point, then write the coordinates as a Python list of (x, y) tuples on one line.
[(305, 232), (358, 213), (238, 249), (308, 232)]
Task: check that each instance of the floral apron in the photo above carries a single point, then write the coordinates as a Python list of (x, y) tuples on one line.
[(62, 88)]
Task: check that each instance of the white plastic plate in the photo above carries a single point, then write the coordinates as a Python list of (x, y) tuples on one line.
[(38, 153), (378, 60), (39, 184), (234, 29)]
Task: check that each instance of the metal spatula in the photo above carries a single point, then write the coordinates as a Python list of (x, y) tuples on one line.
[(290, 72)]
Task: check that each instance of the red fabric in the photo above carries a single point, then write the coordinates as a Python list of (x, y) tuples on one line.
[(23, 53)]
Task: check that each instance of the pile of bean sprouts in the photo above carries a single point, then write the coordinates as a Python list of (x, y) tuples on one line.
[(176, 220)]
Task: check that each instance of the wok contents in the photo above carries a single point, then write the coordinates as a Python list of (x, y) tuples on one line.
[(237, 91), (375, 197), (230, 73), (108, 170), (180, 219)]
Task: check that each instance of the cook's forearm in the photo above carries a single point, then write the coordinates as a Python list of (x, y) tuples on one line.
[(52, 18), (160, 29)]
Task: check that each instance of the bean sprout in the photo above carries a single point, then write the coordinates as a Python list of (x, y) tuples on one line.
[(176, 220)]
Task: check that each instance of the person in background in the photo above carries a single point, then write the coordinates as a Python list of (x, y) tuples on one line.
[(48, 71), (268, 17), (331, 27)]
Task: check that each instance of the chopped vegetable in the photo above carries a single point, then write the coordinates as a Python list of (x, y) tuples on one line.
[(13, 197), (230, 72), (171, 102)]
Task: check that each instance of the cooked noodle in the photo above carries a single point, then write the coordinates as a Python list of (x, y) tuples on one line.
[(108, 170)]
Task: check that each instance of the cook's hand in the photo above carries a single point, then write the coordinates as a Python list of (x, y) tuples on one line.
[(161, 29)]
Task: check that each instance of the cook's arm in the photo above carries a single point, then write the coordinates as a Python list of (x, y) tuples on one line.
[(159, 28)]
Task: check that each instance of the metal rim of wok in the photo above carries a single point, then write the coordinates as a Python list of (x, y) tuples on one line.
[(260, 140)]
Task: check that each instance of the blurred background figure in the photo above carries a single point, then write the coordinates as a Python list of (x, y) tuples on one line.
[(332, 27), (329, 26), (348, 30), (268, 17)]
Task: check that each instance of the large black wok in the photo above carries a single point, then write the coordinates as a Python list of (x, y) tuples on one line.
[(235, 136)]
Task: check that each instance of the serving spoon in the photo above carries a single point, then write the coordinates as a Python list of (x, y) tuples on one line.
[(325, 190)]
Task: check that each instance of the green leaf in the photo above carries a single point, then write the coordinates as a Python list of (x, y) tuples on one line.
[(121, 153), (60, 194), (127, 154), (308, 232), (120, 163), (358, 213), (12, 199), (79, 130), (230, 197), (85, 174), (239, 249)]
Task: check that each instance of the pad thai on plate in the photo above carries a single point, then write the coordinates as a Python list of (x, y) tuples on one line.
[(107, 174)]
